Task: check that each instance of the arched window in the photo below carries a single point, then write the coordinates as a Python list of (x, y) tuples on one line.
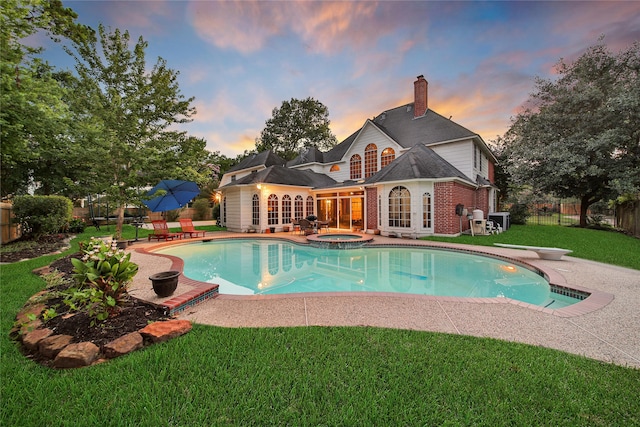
[(286, 209), (399, 207), (355, 171), (388, 156), (426, 210), (334, 168), (370, 160), (272, 209), (298, 207), (310, 209), (255, 210)]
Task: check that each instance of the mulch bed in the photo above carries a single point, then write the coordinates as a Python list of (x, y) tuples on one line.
[(135, 315)]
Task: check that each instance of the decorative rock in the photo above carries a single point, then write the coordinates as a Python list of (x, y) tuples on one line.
[(32, 339), (163, 331), (51, 346), (30, 327), (42, 270), (35, 310), (77, 355), (123, 345), (35, 297)]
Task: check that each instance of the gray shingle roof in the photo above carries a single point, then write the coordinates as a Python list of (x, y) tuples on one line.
[(400, 125), (284, 176), (310, 155), (265, 158), (419, 162)]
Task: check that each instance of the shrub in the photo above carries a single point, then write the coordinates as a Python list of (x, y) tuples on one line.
[(173, 215), (40, 215), (518, 213), (103, 275), (202, 209), (76, 225)]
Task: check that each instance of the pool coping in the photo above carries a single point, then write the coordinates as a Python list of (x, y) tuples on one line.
[(202, 291)]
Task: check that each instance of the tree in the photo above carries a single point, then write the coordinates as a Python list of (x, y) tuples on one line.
[(580, 136), (33, 115), (127, 112), (295, 125)]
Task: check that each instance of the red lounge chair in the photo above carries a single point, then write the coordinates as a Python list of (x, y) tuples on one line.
[(187, 228), (161, 231)]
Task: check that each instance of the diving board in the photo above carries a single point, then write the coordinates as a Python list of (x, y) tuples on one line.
[(544, 253)]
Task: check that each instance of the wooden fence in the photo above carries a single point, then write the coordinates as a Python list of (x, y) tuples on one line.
[(628, 217), (8, 228)]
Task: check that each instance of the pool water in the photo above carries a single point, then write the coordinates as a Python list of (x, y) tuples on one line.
[(267, 266)]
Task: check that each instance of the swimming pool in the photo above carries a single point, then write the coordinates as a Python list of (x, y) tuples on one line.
[(268, 266)]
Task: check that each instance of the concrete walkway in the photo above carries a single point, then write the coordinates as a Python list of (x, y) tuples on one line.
[(606, 328)]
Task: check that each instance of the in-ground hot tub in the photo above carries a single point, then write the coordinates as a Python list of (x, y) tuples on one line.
[(338, 240)]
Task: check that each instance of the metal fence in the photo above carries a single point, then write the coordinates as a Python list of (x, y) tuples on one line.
[(554, 211)]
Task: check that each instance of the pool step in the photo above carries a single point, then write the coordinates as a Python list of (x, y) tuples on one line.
[(200, 293)]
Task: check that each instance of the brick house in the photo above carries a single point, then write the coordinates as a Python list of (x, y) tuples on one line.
[(403, 172)]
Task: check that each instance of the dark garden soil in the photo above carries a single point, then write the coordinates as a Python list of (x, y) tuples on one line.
[(133, 316), (33, 249)]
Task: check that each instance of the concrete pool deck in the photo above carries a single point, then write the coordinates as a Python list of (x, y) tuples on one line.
[(605, 327)]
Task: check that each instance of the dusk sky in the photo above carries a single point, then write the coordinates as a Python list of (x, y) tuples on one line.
[(241, 59)]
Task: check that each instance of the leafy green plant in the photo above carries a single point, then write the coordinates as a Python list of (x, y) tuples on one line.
[(40, 215), (202, 209), (518, 213), (76, 225), (103, 274)]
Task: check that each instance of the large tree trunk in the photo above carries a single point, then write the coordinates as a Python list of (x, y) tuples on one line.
[(119, 222), (585, 202)]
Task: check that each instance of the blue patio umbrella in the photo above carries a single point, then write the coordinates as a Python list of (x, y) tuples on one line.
[(178, 193)]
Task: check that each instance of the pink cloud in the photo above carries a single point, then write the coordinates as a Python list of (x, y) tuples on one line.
[(322, 26)]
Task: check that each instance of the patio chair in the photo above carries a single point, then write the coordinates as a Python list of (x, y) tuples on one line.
[(306, 227), (295, 224), (186, 225), (161, 231), (493, 228)]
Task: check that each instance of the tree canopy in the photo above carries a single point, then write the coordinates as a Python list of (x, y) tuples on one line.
[(297, 124), (579, 136), (109, 128), (127, 112), (34, 117)]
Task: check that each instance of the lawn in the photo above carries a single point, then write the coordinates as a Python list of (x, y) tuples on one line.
[(597, 245), (320, 375)]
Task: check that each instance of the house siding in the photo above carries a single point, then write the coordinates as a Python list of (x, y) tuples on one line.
[(459, 154), (369, 135)]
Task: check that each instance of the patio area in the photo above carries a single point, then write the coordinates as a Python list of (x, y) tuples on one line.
[(602, 327)]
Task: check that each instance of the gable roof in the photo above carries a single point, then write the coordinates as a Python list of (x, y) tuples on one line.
[(419, 162), (401, 126), (278, 174), (264, 158)]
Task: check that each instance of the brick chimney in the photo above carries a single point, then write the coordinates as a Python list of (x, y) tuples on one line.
[(420, 96)]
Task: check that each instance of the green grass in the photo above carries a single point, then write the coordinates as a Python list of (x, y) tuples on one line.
[(316, 376), (597, 245)]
